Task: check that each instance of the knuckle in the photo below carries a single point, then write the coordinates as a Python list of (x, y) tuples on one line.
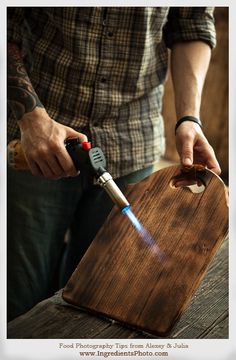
[(55, 146), (187, 154), (71, 171), (189, 136), (83, 137), (187, 149), (32, 155), (210, 149), (42, 150)]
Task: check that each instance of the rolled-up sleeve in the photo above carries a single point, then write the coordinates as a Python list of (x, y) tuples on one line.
[(15, 21), (190, 23)]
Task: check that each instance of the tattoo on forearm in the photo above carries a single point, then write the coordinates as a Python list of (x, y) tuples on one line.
[(21, 95)]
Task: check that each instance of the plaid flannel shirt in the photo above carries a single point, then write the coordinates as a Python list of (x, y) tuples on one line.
[(101, 71)]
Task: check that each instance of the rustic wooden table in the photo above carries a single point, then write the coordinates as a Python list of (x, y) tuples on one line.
[(206, 316)]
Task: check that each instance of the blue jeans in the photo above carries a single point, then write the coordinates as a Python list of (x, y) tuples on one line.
[(40, 212)]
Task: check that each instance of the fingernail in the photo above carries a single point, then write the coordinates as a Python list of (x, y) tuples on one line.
[(74, 173), (187, 162)]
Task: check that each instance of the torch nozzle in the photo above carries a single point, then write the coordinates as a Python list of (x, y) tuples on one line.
[(105, 180)]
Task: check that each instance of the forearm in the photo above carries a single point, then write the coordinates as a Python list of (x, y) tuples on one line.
[(42, 138), (189, 64), (22, 98)]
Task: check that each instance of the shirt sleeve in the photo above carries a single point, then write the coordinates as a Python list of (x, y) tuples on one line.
[(190, 23), (15, 24)]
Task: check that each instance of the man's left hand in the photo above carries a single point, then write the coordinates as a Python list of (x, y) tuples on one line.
[(193, 147)]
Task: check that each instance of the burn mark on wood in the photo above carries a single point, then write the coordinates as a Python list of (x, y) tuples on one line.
[(120, 277)]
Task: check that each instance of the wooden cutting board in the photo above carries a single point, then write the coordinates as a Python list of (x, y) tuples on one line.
[(125, 278)]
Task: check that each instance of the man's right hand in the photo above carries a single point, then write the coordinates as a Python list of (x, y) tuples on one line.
[(42, 140)]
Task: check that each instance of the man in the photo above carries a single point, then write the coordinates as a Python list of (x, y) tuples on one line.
[(97, 74)]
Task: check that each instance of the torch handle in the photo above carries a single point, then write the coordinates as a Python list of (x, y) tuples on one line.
[(79, 152)]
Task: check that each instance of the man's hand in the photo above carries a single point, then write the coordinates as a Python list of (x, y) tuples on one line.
[(42, 141), (42, 138), (189, 64), (193, 147)]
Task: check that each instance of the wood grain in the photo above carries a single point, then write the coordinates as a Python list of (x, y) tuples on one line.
[(205, 317), (121, 277)]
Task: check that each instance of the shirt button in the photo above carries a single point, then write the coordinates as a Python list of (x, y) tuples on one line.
[(110, 34), (103, 80)]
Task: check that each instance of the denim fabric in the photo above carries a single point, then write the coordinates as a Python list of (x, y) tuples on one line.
[(40, 211)]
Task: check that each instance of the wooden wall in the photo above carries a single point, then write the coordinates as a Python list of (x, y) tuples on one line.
[(214, 110)]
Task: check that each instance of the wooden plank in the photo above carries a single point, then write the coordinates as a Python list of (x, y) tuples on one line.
[(196, 322), (209, 302), (66, 320), (121, 277), (218, 328), (50, 319), (203, 317)]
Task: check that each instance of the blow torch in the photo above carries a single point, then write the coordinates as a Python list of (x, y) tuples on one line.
[(85, 158)]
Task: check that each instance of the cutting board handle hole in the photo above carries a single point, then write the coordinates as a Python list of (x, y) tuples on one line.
[(195, 187)]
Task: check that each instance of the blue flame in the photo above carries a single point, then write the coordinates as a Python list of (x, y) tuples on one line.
[(145, 235)]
